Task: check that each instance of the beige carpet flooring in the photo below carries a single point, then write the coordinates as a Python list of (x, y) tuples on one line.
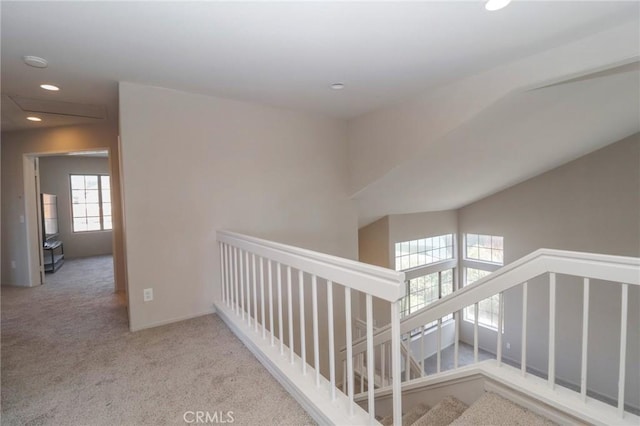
[(69, 359)]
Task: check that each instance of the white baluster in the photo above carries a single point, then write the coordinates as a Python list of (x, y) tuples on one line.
[(523, 361), (248, 283), (500, 319), (407, 361), (234, 272), (383, 350), (439, 345), (255, 296), (395, 363), (290, 312), (270, 272), (229, 277), (552, 330), (230, 263), (361, 368), (422, 351), (280, 322), (242, 282), (370, 361), (303, 331), (585, 338), (623, 347), (475, 332), (456, 344), (344, 376), (332, 355), (349, 341), (316, 338), (262, 311), (221, 250)]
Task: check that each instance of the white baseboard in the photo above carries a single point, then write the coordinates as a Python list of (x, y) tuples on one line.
[(315, 400), (212, 310)]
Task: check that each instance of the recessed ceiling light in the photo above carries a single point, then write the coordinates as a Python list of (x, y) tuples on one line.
[(34, 118), (35, 61), (492, 5), (50, 87), (337, 86)]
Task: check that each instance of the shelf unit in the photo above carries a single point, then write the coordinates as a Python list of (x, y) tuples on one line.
[(53, 261)]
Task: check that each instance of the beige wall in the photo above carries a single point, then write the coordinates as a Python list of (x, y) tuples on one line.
[(591, 204), (54, 179), (373, 243), (195, 164), (46, 142)]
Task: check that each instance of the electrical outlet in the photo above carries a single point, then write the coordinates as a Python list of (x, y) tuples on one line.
[(13, 264), (508, 345), (148, 294)]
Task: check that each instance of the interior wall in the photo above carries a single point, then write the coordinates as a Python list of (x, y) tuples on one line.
[(54, 179), (591, 204), (373, 243), (197, 164), (49, 141)]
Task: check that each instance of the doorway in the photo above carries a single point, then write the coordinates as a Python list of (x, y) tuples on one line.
[(72, 206)]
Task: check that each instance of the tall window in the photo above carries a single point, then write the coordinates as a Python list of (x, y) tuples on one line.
[(424, 290), (428, 279), (410, 254), (91, 202), (483, 254)]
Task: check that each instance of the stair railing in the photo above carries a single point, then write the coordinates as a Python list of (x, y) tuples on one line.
[(383, 364), (259, 280), (617, 271)]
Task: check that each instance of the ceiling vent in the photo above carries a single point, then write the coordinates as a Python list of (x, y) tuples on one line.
[(96, 112)]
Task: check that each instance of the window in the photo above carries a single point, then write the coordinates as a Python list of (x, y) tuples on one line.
[(91, 202), (430, 282), (410, 254), (487, 254), (425, 290), (484, 248)]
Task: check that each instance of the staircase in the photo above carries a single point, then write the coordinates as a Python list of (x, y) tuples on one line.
[(489, 409), (294, 309)]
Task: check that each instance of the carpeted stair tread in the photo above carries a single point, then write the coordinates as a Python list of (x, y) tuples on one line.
[(410, 417), (445, 412), (414, 414), (492, 409)]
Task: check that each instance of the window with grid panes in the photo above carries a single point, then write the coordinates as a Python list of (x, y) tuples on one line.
[(90, 203), (424, 251), (426, 289), (488, 249)]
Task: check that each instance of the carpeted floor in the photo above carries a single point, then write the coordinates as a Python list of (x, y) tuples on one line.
[(69, 359)]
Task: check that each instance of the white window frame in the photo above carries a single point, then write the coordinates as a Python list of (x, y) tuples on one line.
[(100, 203), (431, 268), (481, 265)]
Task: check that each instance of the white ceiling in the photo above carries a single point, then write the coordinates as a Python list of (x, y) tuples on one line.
[(518, 137), (287, 54), (284, 54)]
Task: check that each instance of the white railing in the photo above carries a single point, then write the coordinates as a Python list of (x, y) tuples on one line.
[(256, 306), (617, 271), (382, 366)]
